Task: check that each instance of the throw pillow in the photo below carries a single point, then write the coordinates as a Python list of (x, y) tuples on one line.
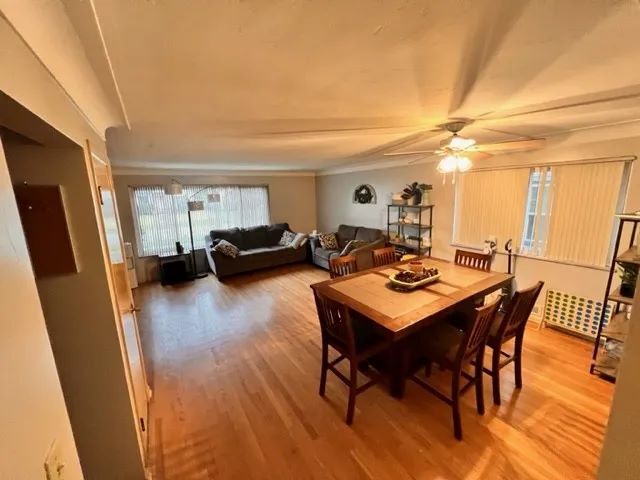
[(328, 241), (299, 240), (227, 248), (287, 238), (352, 245)]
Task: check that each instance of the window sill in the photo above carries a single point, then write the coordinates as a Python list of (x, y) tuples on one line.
[(536, 258)]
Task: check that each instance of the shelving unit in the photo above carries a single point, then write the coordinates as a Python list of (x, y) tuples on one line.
[(609, 343), (420, 229)]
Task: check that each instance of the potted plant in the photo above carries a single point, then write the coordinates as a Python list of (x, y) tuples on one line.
[(425, 188), (411, 194), (628, 273)]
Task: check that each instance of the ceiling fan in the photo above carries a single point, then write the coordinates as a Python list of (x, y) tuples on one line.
[(458, 151)]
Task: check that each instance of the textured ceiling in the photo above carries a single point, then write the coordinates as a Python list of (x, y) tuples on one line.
[(313, 84)]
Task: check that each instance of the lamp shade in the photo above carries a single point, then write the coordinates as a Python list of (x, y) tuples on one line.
[(173, 188), (195, 205)]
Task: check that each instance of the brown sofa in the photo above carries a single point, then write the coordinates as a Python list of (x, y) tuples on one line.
[(258, 249), (374, 236)]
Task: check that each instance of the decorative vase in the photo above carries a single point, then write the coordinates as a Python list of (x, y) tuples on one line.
[(426, 198), (627, 290), (179, 248), (411, 201)]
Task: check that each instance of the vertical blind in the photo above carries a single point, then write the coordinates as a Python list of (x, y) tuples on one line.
[(490, 203), (161, 220), (583, 204)]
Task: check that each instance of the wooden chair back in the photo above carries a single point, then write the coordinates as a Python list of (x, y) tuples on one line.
[(478, 261), (341, 266), (384, 256), (518, 310), (335, 324), (476, 336)]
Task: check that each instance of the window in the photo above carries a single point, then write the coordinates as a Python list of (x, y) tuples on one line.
[(536, 216), (161, 220), (563, 212)]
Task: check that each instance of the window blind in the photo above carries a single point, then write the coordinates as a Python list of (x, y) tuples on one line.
[(490, 203), (583, 205), (161, 220)]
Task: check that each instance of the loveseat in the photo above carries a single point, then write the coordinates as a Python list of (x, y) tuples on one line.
[(373, 237), (258, 247)]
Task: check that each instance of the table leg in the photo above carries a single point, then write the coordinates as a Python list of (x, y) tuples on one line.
[(399, 368)]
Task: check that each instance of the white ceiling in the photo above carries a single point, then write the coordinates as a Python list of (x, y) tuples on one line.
[(315, 84)]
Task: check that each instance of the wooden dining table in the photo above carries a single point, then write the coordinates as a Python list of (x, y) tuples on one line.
[(398, 315)]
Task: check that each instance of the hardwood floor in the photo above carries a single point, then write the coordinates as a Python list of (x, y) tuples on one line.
[(235, 366)]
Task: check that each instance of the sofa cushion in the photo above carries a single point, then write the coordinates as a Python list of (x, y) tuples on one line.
[(274, 233), (326, 254), (231, 235), (368, 234), (346, 233), (329, 241), (287, 238), (226, 248), (254, 237), (352, 245)]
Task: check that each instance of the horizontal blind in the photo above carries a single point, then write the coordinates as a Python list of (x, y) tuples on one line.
[(161, 220), (490, 203), (584, 200)]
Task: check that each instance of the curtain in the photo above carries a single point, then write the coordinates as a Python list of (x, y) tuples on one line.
[(161, 220), (490, 203), (583, 204)]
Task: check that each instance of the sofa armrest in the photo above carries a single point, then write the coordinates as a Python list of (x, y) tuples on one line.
[(314, 243)]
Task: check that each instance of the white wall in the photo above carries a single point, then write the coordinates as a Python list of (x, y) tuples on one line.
[(292, 199), (32, 408), (82, 323), (335, 207), (23, 78)]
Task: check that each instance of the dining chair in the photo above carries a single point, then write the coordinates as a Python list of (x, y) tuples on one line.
[(338, 267), (453, 349), (384, 256), (339, 331), (508, 325), (475, 260)]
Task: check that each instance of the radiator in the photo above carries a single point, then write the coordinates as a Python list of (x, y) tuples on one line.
[(575, 314)]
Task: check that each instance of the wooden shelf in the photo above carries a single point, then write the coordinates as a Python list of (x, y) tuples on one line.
[(629, 256), (621, 323), (408, 245), (411, 206), (616, 297), (417, 225)]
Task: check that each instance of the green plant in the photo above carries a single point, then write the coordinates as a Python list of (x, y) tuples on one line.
[(410, 191), (425, 187), (628, 273)]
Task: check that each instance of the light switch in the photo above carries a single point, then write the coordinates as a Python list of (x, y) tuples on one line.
[(53, 464)]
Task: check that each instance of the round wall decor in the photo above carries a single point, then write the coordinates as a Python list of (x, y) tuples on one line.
[(364, 194)]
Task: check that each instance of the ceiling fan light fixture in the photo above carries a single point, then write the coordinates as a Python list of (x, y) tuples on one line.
[(464, 164), (448, 164), (460, 143)]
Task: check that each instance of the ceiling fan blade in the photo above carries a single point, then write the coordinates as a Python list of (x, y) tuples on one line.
[(415, 152), (512, 145), (476, 155)]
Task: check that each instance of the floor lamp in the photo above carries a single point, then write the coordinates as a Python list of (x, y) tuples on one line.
[(175, 188)]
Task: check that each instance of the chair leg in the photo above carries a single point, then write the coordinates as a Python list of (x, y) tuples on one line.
[(518, 360), (353, 385), (455, 405), (427, 368), (323, 370), (495, 375), (478, 381)]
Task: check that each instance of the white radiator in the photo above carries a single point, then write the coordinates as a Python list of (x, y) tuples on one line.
[(575, 314)]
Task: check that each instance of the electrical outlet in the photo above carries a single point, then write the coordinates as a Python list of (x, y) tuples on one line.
[(53, 464)]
